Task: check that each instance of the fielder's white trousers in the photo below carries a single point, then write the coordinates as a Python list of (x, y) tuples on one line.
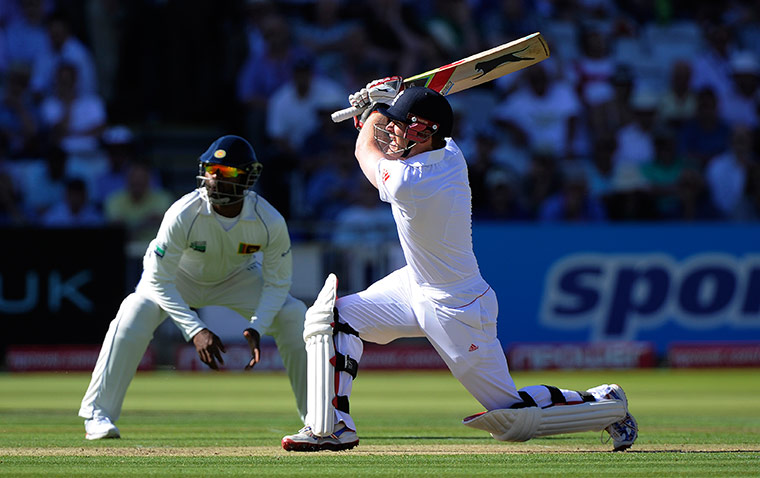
[(138, 317), (465, 337)]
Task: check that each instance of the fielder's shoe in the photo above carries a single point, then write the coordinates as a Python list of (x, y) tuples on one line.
[(624, 432), (100, 427), (343, 438)]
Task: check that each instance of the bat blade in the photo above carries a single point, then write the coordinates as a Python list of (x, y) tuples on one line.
[(475, 70)]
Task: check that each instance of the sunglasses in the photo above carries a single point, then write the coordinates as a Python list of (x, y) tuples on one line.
[(225, 171)]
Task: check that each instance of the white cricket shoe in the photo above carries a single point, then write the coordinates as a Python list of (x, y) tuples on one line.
[(100, 427), (624, 432), (343, 438)]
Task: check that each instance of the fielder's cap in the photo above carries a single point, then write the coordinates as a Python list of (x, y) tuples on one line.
[(424, 103)]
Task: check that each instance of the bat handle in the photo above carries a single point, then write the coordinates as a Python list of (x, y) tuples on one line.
[(345, 114)]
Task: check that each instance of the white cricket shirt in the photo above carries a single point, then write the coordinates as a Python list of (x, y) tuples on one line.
[(432, 203), (192, 241)]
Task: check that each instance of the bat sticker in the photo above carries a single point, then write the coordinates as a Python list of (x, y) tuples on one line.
[(488, 66)]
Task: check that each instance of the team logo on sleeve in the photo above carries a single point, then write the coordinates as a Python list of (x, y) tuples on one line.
[(160, 251), (244, 248), (385, 174)]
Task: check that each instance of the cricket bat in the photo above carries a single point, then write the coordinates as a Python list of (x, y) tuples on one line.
[(474, 70)]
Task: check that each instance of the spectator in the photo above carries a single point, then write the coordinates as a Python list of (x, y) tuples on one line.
[(366, 221), (325, 33), (679, 103), (44, 184), (503, 21), (329, 188), (26, 38), (605, 118), (740, 105), (75, 210), (502, 197), (122, 149), (727, 173), (541, 114), (712, 69), (138, 206), (65, 48), (635, 144), (262, 74), (573, 202), (11, 212), (594, 69), (76, 120), (600, 169), (706, 135), (452, 29), (19, 116), (663, 175), (541, 181), (293, 108), (393, 26)]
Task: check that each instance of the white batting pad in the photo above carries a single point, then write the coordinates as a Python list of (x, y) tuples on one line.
[(319, 316), (522, 424), (320, 386)]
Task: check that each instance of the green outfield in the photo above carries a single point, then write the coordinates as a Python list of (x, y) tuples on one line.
[(692, 423)]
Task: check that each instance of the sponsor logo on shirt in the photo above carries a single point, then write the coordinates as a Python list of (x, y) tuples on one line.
[(473, 348), (386, 175), (244, 248), (199, 246)]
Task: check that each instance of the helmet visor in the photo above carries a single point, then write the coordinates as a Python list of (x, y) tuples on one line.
[(222, 170)]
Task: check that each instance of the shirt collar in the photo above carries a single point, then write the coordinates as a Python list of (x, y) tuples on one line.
[(432, 157)]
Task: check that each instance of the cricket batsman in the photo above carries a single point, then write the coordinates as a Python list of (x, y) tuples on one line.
[(404, 148)]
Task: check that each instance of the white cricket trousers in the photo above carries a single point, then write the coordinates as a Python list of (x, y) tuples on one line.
[(464, 337), (139, 316)]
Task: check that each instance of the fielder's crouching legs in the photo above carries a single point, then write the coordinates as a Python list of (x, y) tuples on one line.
[(330, 374), (547, 410)]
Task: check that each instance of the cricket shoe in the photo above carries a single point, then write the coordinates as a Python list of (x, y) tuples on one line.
[(343, 438), (100, 427), (624, 432)]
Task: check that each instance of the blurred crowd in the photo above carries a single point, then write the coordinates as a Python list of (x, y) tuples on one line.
[(646, 110)]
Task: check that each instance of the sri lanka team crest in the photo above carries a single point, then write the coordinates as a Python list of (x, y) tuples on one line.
[(244, 248)]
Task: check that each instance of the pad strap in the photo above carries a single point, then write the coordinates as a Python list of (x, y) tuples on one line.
[(527, 401), (587, 397), (558, 398), (342, 327), (340, 402), (344, 363)]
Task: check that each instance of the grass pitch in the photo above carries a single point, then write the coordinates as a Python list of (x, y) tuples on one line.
[(692, 423)]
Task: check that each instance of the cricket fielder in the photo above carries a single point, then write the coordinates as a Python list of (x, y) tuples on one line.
[(204, 255), (406, 152)]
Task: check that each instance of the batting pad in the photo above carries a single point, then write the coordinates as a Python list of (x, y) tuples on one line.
[(320, 385), (522, 424), (320, 351)]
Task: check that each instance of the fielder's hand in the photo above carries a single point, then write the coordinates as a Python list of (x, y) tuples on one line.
[(209, 347), (376, 92), (254, 339)]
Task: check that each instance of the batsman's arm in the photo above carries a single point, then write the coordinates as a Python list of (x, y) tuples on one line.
[(367, 153)]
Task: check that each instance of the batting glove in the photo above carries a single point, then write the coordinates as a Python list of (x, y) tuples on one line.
[(381, 91)]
